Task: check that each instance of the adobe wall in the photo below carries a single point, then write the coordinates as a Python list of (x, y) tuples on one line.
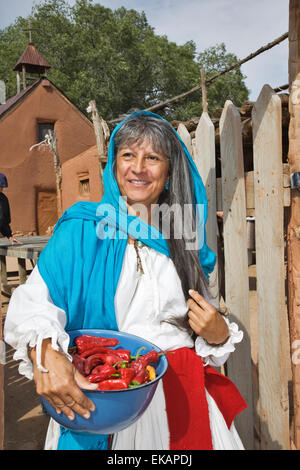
[(30, 172), (75, 174)]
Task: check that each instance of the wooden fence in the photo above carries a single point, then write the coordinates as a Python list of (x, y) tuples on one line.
[(264, 192)]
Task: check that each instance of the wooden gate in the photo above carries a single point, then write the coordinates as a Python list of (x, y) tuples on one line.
[(265, 191)]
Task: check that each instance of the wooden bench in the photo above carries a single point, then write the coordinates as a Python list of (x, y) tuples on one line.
[(30, 249)]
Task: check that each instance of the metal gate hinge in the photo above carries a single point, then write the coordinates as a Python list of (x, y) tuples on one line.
[(295, 180)]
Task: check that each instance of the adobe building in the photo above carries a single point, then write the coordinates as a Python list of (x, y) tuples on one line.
[(24, 121)]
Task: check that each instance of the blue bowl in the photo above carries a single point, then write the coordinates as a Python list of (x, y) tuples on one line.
[(115, 409)]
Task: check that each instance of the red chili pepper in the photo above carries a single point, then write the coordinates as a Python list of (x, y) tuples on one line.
[(112, 384), (103, 368), (127, 374), (151, 356), (93, 361), (143, 361), (111, 358), (85, 342), (79, 363), (140, 377), (123, 354), (94, 350), (100, 373)]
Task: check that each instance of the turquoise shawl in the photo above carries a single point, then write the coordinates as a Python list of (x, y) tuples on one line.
[(82, 262)]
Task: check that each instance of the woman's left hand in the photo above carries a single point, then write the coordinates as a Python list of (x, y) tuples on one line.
[(205, 320)]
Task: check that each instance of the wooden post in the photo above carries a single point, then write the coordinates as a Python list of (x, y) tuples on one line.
[(24, 76), (293, 232), (57, 169), (18, 82), (236, 261), (100, 139), (273, 350), (22, 270), (205, 160), (3, 271), (204, 94)]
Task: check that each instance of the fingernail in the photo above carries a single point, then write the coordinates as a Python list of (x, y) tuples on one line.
[(71, 417), (86, 415), (191, 291)]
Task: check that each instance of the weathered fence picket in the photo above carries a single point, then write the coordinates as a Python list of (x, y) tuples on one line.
[(205, 160), (185, 136), (236, 261), (273, 335)]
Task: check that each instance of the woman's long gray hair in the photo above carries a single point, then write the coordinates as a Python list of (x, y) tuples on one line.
[(174, 214)]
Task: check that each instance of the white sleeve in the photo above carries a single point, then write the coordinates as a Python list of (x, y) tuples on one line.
[(217, 355), (32, 317)]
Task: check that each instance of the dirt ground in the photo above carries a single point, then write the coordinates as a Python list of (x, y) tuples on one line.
[(25, 424)]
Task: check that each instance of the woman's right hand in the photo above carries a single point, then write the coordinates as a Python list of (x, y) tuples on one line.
[(61, 385)]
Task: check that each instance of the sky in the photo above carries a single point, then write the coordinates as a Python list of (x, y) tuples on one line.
[(244, 26)]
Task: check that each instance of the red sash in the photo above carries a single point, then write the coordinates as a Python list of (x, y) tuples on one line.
[(187, 409)]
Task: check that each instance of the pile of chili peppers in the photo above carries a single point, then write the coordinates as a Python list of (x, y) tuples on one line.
[(112, 369)]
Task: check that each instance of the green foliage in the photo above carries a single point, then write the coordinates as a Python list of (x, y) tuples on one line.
[(115, 58), (229, 86)]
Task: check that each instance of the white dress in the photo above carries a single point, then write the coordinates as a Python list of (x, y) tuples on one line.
[(142, 301)]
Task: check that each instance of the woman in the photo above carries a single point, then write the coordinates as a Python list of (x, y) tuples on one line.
[(145, 273)]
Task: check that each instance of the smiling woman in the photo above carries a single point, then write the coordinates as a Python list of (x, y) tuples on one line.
[(84, 281)]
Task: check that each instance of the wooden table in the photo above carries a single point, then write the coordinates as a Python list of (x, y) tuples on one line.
[(30, 249)]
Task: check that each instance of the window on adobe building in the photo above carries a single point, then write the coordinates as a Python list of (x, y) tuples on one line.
[(84, 187), (43, 129), (84, 183)]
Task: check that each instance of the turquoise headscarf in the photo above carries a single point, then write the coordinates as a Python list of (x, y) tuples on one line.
[(82, 261)]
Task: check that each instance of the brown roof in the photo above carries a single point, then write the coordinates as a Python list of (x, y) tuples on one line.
[(33, 59), (14, 99)]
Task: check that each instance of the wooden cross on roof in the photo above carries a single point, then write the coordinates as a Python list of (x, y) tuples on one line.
[(29, 30)]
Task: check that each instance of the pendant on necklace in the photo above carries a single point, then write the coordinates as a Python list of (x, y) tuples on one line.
[(138, 244)]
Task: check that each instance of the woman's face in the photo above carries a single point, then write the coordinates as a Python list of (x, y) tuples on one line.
[(141, 173)]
